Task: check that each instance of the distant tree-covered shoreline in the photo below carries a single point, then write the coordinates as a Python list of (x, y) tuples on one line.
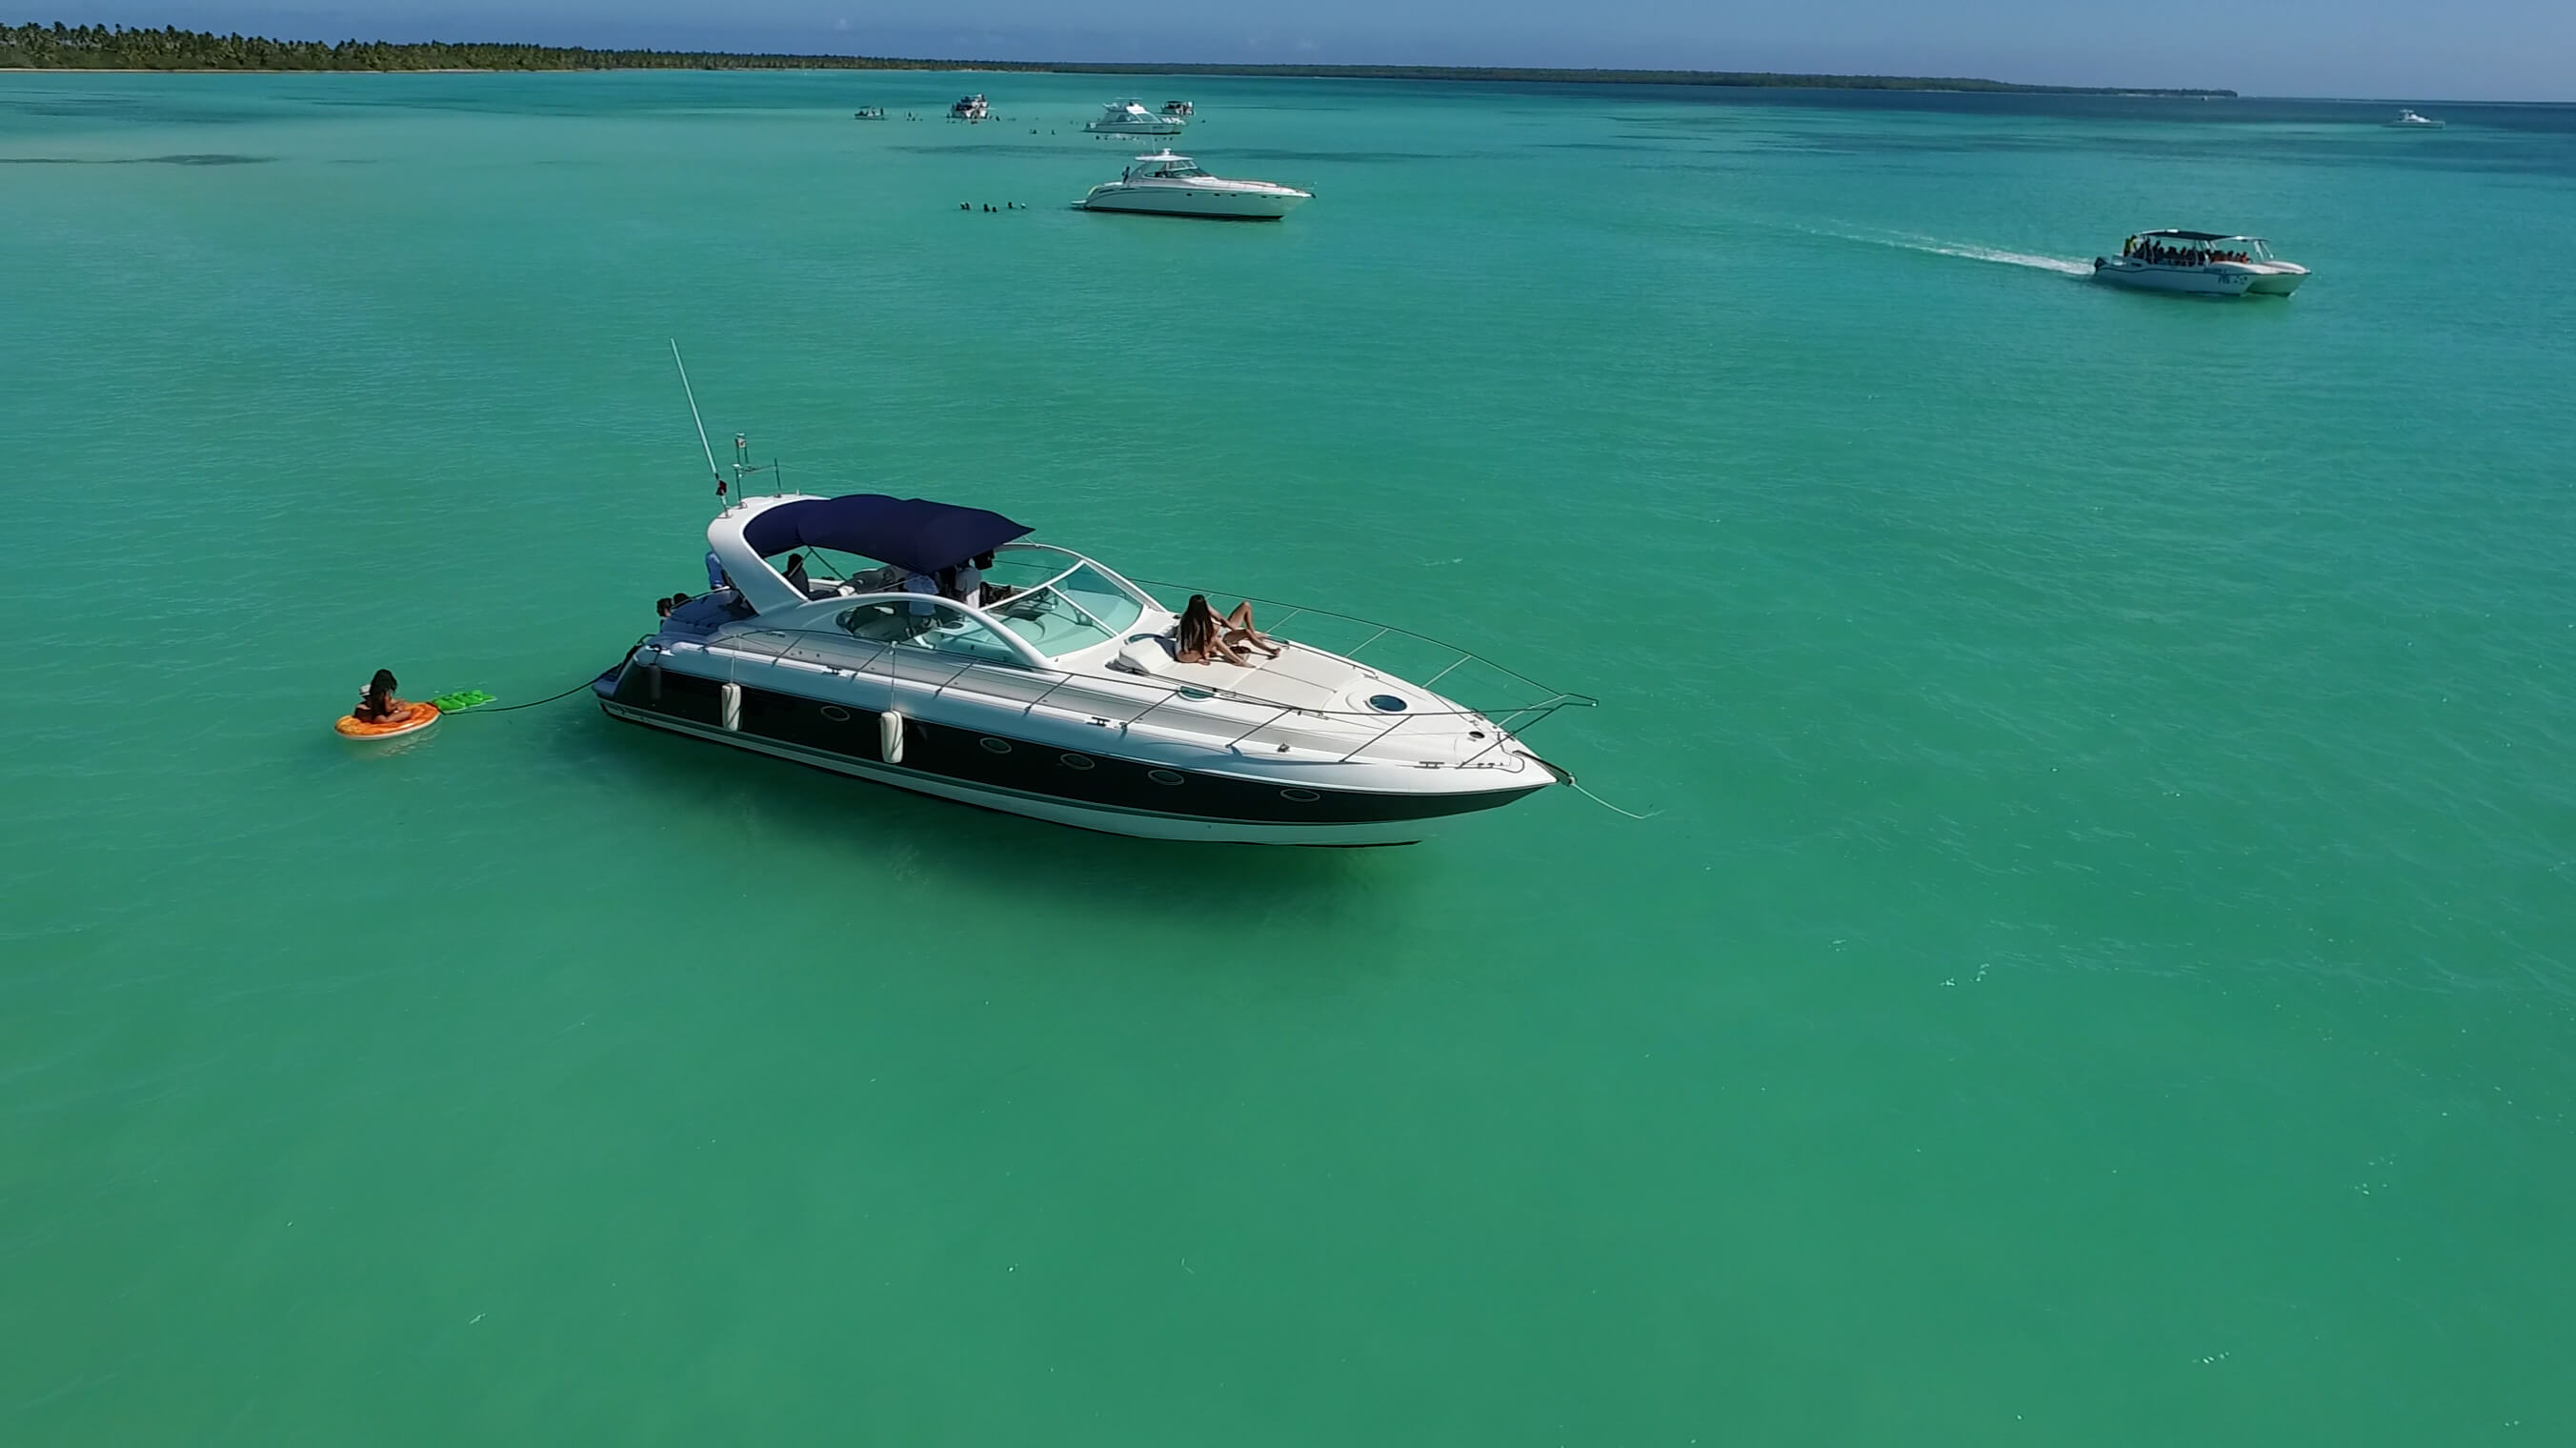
[(113, 47)]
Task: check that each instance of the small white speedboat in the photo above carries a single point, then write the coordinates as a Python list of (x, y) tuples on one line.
[(2410, 121), (1164, 184), (1130, 118), (2201, 263)]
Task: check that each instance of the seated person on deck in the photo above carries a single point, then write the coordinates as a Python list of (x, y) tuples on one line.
[(1200, 637), (925, 616)]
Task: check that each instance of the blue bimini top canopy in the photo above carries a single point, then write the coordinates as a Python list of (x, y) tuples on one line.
[(913, 533)]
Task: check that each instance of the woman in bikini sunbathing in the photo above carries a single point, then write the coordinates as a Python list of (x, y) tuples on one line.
[(1202, 638)]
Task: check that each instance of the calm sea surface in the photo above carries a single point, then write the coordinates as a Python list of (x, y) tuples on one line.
[(2102, 971)]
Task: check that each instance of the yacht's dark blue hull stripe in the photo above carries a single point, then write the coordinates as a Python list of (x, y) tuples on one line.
[(1042, 770)]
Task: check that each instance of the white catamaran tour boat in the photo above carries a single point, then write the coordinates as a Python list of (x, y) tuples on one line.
[(1038, 682), (1130, 118), (2200, 262), (1170, 185)]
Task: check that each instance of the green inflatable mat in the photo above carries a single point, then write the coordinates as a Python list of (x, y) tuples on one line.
[(461, 699)]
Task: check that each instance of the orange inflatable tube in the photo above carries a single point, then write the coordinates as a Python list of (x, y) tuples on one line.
[(406, 718)]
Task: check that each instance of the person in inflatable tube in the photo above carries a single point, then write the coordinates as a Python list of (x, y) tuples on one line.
[(378, 704)]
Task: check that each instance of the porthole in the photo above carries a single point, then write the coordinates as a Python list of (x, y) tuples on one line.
[(836, 713), (1162, 776), (1077, 761), (1302, 796), (995, 746), (1194, 694), (1386, 703)]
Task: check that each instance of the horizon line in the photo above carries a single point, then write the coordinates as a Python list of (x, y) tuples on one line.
[(661, 58), (13, 37)]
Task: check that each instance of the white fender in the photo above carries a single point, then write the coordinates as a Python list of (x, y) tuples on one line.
[(732, 696), (890, 737)]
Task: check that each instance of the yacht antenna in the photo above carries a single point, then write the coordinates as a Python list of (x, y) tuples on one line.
[(743, 466), (693, 417)]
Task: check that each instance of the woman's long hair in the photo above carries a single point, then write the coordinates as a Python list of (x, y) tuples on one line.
[(1197, 631)]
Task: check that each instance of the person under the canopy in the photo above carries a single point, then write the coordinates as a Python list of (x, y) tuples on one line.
[(967, 580), (923, 616)]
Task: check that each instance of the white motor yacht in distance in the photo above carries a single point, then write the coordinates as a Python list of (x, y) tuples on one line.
[(2410, 121), (2203, 263), (970, 108), (1164, 184), (1130, 118), (1056, 694)]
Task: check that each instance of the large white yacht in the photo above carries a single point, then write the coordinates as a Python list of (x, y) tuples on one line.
[(1130, 118), (1169, 185), (1055, 691), (2204, 263), (970, 108)]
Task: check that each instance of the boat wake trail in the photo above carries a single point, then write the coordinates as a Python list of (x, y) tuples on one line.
[(1967, 251)]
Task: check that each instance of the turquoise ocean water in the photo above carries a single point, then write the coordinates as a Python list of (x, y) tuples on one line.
[(2100, 971)]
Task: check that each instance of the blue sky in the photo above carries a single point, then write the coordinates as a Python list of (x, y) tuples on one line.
[(2461, 49)]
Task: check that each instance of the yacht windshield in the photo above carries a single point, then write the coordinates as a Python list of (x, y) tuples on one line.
[(1060, 610)]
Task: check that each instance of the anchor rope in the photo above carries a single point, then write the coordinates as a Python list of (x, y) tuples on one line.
[(1605, 804), (506, 708)]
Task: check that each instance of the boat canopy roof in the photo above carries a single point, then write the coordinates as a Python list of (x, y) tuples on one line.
[(2199, 236), (911, 533)]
